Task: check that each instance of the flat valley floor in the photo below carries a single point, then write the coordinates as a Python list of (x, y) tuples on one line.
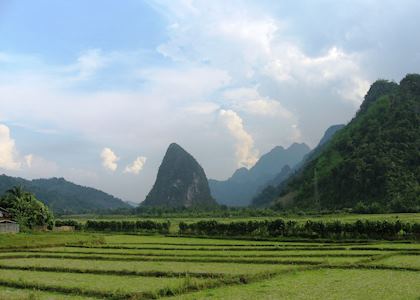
[(111, 266)]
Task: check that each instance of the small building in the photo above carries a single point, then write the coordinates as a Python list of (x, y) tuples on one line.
[(7, 225), (5, 214)]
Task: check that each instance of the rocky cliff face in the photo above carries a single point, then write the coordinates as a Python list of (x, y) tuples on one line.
[(180, 182)]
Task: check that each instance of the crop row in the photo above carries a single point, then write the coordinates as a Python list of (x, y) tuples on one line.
[(226, 255), (168, 259)]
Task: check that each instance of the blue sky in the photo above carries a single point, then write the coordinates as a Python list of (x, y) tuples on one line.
[(95, 91)]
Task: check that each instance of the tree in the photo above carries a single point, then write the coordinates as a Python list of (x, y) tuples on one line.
[(26, 209)]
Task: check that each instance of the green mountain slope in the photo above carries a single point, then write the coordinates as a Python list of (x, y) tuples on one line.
[(63, 196), (373, 162)]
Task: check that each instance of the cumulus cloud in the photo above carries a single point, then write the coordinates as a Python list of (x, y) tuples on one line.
[(250, 101), (246, 155), (8, 152), (109, 159), (136, 166), (28, 165), (335, 69)]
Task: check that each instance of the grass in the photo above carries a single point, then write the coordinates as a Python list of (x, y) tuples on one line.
[(147, 267), (8, 293), (403, 261), (324, 284), (195, 253), (102, 283), (191, 267), (31, 240), (209, 259)]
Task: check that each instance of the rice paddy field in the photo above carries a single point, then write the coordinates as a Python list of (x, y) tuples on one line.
[(118, 266)]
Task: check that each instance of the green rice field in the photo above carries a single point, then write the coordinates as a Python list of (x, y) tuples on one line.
[(118, 266)]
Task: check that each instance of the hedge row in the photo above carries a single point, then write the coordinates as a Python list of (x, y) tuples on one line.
[(118, 226), (128, 226), (309, 229)]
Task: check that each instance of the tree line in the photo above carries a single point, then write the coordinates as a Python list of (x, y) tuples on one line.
[(118, 226), (310, 229)]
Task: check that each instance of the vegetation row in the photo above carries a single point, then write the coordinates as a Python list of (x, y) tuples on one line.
[(115, 272), (167, 259), (309, 229), (119, 226), (256, 255)]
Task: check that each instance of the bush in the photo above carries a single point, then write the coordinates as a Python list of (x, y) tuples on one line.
[(128, 226), (309, 229)]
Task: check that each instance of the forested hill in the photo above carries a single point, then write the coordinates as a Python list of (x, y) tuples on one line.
[(373, 163), (63, 196)]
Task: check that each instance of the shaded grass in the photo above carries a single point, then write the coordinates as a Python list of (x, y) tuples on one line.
[(186, 248), (212, 254)]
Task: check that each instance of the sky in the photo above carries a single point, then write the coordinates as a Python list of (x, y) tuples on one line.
[(95, 91)]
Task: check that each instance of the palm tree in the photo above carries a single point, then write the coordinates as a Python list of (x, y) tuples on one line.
[(17, 192)]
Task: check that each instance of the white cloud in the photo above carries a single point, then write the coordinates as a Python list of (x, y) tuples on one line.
[(136, 166), (38, 167), (8, 152), (251, 44), (334, 70), (28, 165), (250, 101), (89, 62), (29, 160), (246, 155), (109, 159), (202, 108)]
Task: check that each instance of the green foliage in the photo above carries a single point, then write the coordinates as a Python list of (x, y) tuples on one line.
[(26, 209), (196, 212), (373, 164), (309, 229), (128, 226), (64, 197)]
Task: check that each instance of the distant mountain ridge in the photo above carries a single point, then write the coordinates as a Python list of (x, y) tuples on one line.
[(180, 182), (63, 196), (273, 187), (242, 186)]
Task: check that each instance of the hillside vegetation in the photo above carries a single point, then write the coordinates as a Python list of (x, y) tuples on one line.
[(373, 164), (63, 196)]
